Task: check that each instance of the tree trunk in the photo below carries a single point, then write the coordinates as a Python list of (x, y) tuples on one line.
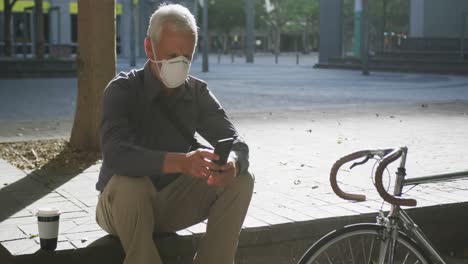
[(305, 41), (384, 25), (96, 67), (277, 41), (7, 7), (39, 29)]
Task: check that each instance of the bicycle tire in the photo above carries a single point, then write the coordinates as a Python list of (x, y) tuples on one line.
[(331, 241)]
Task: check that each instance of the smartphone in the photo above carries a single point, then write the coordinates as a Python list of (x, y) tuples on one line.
[(222, 149)]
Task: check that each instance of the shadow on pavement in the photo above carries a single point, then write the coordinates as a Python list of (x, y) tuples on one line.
[(37, 184)]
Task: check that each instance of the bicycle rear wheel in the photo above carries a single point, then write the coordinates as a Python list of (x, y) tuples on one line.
[(363, 244)]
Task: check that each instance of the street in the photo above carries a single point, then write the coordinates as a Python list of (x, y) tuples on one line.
[(37, 108)]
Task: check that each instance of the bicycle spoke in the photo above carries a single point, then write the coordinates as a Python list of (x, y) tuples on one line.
[(328, 257), (383, 251), (365, 245), (406, 258), (363, 250), (351, 251), (371, 249)]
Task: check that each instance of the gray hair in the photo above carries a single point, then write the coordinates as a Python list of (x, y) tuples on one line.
[(176, 16)]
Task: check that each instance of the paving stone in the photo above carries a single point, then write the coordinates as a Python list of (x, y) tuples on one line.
[(252, 223), (22, 213), (84, 242), (64, 206), (93, 169), (87, 235), (64, 245), (84, 220), (337, 210), (357, 207), (288, 213), (18, 221), (314, 212), (60, 238), (11, 233), (73, 215), (32, 229), (266, 216), (16, 247), (83, 228), (89, 200), (10, 170)]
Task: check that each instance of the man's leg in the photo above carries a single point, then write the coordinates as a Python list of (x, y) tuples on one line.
[(126, 209), (188, 201)]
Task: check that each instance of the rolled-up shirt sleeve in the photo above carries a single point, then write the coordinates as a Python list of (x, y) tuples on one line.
[(120, 153), (214, 125)]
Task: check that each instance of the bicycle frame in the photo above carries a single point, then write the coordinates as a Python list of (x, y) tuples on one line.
[(398, 217), (397, 222)]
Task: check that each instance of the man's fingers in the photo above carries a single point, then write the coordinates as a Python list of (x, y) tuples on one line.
[(208, 154), (211, 165), (227, 166), (213, 180)]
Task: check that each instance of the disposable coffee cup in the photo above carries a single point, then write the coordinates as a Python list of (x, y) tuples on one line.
[(48, 224)]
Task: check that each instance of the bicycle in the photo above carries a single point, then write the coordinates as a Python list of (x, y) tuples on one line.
[(394, 238)]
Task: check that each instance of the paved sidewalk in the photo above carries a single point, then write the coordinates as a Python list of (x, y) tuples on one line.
[(291, 155)]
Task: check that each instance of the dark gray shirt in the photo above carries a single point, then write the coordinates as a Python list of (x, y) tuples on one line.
[(136, 135)]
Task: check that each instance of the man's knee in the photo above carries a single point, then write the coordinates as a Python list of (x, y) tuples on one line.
[(244, 184), (131, 189)]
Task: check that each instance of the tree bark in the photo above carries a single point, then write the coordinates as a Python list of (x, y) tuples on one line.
[(39, 28), (277, 41), (384, 22), (96, 67), (7, 7)]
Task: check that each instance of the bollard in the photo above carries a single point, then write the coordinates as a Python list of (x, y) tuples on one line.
[(232, 57), (276, 58), (219, 56), (297, 58)]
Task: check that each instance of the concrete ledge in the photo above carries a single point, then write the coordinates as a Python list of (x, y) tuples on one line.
[(284, 243), (459, 68), (33, 68)]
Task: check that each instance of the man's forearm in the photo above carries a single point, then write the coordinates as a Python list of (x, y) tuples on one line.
[(173, 162)]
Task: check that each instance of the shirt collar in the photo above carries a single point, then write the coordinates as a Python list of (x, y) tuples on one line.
[(152, 86)]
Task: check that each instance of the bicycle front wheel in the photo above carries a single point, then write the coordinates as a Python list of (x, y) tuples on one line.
[(363, 244)]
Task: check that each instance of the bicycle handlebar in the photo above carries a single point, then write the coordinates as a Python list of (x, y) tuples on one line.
[(389, 156), (343, 160), (394, 155)]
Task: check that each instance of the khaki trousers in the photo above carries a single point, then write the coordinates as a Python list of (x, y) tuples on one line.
[(132, 209)]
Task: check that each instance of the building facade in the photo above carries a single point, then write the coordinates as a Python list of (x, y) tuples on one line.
[(438, 18), (61, 24)]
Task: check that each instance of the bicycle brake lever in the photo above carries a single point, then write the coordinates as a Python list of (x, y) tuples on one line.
[(361, 162)]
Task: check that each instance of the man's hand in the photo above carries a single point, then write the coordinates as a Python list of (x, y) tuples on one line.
[(224, 175), (199, 163)]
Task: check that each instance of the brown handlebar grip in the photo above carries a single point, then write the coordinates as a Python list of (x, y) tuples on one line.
[(379, 184), (334, 171)]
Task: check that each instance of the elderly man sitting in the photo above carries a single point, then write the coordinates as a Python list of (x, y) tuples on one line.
[(155, 177)]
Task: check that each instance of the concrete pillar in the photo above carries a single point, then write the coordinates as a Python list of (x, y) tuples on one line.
[(61, 22), (331, 24), (250, 39), (125, 28), (205, 64), (416, 18), (357, 27), (145, 9)]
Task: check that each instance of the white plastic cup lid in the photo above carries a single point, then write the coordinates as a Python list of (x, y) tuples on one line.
[(48, 211)]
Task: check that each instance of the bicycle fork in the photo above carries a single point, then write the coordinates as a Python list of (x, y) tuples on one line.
[(389, 240), (390, 233)]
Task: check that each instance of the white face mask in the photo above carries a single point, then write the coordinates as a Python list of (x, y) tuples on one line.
[(173, 72)]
